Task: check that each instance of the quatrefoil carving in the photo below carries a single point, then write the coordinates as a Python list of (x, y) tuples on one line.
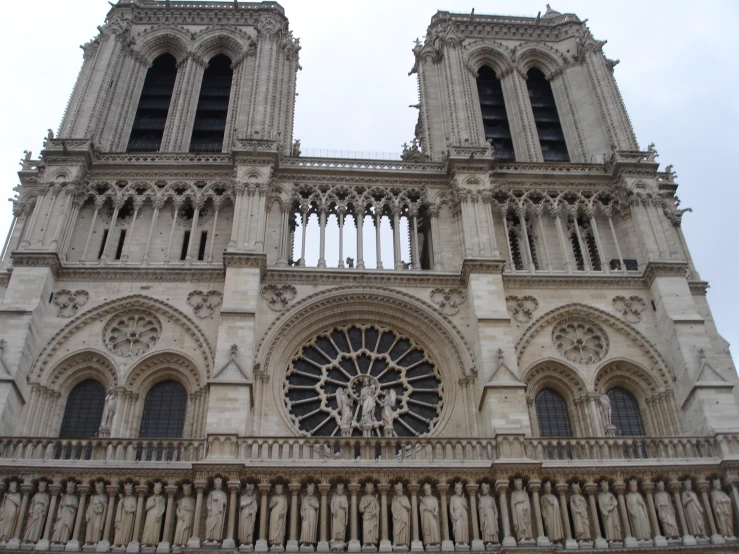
[(68, 302), (448, 300), (631, 308), (204, 303), (522, 308), (278, 296)]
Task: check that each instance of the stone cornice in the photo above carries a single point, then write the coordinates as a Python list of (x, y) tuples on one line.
[(37, 259), (548, 281), (480, 265), (246, 259), (405, 278), (144, 274), (698, 288), (664, 269)]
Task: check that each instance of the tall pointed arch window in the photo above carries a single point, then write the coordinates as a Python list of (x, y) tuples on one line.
[(164, 411), (84, 410), (151, 114), (625, 413), (494, 116), (551, 411), (210, 117), (546, 118)]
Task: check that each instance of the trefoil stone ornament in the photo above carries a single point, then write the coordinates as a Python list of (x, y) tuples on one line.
[(448, 300), (204, 304), (68, 303), (631, 308), (522, 308), (278, 296)]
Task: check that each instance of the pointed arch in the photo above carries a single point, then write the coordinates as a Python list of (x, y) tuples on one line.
[(493, 54), (168, 40), (540, 56)]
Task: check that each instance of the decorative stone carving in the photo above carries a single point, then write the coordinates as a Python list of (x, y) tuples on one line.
[(37, 514), (124, 518), (609, 513), (521, 512), (185, 514), (248, 507), (68, 303), (277, 517), (631, 308), (369, 507), (550, 513), (580, 518), (339, 518), (111, 404), (204, 304), (722, 510), (216, 505), (693, 510), (448, 300), (522, 308), (488, 511), (665, 511), (637, 509), (278, 296), (65, 515), (428, 506), (96, 512), (352, 400), (309, 516), (459, 512), (401, 510), (155, 505), (580, 341), (9, 511), (132, 333)]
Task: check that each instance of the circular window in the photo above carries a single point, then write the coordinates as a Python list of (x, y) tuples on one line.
[(132, 333), (580, 341), (363, 381)]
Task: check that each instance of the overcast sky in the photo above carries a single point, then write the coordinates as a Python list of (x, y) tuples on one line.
[(678, 76)]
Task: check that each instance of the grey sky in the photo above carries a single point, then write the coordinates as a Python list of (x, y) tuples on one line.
[(678, 76)]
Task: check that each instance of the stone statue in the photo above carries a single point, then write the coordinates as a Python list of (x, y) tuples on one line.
[(369, 507), (339, 518), (111, 403), (248, 507), (295, 152), (309, 515), (155, 505), (637, 509), (95, 516), (551, 515), (401, 509), (609, 512), (9, 511), (37, 514), (388, 409), (65, 515), (124, 517), (350, 262), (488, 511), (368, 402), (521, 512), (429, 509), (579, 509), (459, 512), (693, 510), (216, 504), (277, 517), (185, 514), (346, 411), (722, 510), (665, 511), (606, 410)]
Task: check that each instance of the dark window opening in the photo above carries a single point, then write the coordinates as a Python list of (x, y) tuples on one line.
[(593, 251), (625, 413), (164, 411), (121, 240), (546, 118), (516, 254), (631, 265), (551, 411), (151, 114), (185, 245), (201, 248), (102, 244), (494, 116), (210, 116), (84, 410)]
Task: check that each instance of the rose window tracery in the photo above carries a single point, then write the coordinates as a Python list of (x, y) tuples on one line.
[(132, 333), (581, 342), (363, 380)]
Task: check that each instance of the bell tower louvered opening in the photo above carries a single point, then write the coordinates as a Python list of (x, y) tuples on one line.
[(151, 114), (210, 117), (494, 116), (551, 137)]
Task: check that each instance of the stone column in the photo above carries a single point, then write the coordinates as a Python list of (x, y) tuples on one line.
[(43, 544), (446, 544), (396, 238), (359, 220), (703, 487), (354, 544), (292, 543), (164, 545), (104, 544), (590, 489), (648, 488), (15, 541), (570, 543), (433, 212), (675, 488), (534, 487), (385, 544), (322, 545), (629, 541), (74, 544), (378, 249), (229, 542), (477, 544), (262, 545), (416, 544), (194, 541), (322, 248), (501, 486)]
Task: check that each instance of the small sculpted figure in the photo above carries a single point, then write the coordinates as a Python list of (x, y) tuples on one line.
[(9, 511), (216, 504), (693, 510), (401, 509), (665, 511), (277, 517), (339, 517), (551, 515), (369, 507), (429, 508), (124, 517), (637, 509), (155, 506), (95, 516), (459, 512), (185, 514), (609, 512), (37, 514), (488, 511), (521, 512), (309, 516), (722, 510), (248, 506), (580, 518), (65, 515)]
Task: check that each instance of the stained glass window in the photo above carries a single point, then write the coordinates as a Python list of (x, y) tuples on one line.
[(625, 413), (164, 411), (551, 411), (84, 410)]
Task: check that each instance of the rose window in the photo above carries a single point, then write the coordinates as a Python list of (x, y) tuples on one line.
[(580, 342), (363, 381), (132, 333)]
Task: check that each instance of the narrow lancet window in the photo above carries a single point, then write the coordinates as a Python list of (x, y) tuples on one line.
[(164, 411), (494, 117), (84, 410), (210, 117), (625, 413), (151, 115), (551, 411), (548, 126)]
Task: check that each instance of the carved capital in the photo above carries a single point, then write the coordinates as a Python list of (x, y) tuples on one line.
[(171, 490)]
